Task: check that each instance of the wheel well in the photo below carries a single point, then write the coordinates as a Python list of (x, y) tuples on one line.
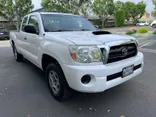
[(46, 59), (12, 42)]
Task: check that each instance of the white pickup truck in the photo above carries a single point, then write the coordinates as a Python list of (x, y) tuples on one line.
[(74, 54)]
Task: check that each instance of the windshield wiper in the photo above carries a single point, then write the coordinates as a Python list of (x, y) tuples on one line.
[(85, 30), (62, 30)]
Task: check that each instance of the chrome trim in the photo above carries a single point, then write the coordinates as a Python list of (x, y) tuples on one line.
[(107, 48), (110, 44), (120, 42)]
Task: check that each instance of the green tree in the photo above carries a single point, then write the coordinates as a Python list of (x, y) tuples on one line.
[(128, 8), (138, 11), (66, 6), (119, 18), (119, 5), (14, 10), (154, 2), (103, 9), (86, 9), (154, 11), (55, 5), (134, 11)]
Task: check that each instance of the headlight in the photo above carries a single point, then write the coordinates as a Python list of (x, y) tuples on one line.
[(85, 54)]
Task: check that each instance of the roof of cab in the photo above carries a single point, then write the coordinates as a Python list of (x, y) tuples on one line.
[(51, 13)]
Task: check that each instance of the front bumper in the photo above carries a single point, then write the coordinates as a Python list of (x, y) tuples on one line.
[(99, 74)]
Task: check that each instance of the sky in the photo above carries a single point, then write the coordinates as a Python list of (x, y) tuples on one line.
[(37, 4)]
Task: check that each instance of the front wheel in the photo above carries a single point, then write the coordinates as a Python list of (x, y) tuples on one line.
[(57, 82), (18, 57)]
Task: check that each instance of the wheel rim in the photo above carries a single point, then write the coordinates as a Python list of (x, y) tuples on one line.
[(54, 82)]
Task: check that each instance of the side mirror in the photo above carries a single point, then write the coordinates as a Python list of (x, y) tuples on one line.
[(30, 29)]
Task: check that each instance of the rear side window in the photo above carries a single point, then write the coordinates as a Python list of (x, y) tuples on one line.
[(24, 23)]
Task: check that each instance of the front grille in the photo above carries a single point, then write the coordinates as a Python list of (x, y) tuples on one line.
[(122, 52)]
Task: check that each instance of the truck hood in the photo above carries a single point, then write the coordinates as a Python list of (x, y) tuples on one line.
[(87, 37)]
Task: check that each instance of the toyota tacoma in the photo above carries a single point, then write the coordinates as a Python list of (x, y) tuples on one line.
[(74, 54)]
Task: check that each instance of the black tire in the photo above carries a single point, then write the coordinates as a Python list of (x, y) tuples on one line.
[(63, 91), (18, 57), (154, 25)]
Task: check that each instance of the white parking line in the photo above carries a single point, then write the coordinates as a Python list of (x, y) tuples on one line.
[(4, 43), (147, 43)]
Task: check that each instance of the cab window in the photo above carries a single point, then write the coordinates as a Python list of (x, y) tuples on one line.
[(24, 23), (34, 21)]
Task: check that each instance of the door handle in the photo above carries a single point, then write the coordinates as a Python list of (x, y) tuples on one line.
[(25, 38)]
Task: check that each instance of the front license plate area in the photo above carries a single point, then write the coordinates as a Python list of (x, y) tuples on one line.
[(127, 71)]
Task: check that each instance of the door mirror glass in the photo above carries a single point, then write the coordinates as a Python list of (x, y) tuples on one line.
[(30, 29)]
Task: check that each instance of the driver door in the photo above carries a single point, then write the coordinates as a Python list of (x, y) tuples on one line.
[(33, 40)]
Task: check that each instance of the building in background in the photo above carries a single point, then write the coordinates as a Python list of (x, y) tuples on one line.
[(146, 15), (6, 24)]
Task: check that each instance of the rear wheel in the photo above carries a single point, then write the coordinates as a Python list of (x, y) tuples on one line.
[(18, 57), (57, 82)]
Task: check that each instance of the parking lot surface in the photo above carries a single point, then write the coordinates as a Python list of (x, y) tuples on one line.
[(24, 92)]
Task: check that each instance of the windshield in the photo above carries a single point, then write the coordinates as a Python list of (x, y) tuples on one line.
[(57, 23)]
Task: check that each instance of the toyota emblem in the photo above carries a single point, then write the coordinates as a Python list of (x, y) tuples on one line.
[(124, 51)]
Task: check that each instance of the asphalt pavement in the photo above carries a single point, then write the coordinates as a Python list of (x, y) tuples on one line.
[(24, 92)]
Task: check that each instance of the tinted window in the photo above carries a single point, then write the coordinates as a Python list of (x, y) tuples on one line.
[(24, 22), (54, 23), (34, 21)]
